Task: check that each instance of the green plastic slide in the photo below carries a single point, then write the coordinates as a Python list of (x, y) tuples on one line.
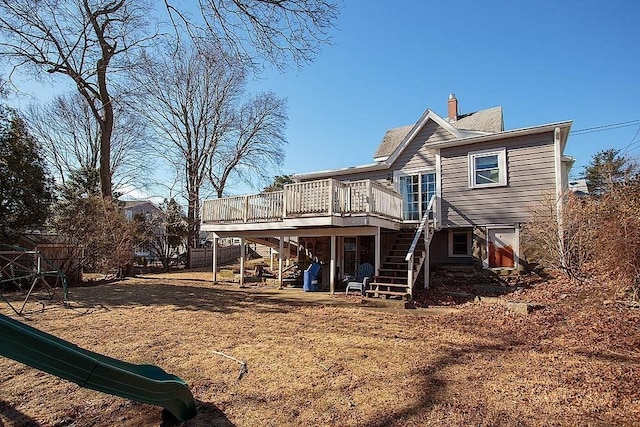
[(144, 383)]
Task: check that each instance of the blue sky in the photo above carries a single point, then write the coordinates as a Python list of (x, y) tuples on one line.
[(542, 61)]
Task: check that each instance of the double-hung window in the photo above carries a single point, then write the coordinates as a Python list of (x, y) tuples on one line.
[(488, 168)]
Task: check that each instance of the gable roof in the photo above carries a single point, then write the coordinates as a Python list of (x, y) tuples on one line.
[(476, 123), (489, 120), (391, 140), (472, 128)]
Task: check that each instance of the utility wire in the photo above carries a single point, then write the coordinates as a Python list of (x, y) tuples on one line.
[(631, 143), (604, 128)]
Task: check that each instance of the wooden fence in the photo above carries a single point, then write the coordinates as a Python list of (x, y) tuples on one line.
[(203, 257)]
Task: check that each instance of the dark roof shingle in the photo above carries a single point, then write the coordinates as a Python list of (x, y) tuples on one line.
[(489, 120)]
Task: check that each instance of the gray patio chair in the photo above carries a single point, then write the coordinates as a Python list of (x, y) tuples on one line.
[(361, 279)]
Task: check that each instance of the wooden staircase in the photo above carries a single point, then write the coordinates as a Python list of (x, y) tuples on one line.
[(391, 280), (290, 247), (402, 264)]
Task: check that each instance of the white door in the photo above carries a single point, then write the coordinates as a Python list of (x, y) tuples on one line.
[(502, 244)]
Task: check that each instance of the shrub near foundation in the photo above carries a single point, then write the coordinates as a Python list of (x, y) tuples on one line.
[(600, 238)]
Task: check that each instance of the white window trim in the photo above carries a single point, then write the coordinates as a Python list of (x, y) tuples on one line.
[(469, 244), (502, 167), (407, 172)]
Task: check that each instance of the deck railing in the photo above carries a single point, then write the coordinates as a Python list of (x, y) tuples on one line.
[(314, 198)]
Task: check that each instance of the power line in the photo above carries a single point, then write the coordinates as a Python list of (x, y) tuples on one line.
[(632, 142), (604, 128)]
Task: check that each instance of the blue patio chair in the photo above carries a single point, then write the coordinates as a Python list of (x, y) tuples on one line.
[(361, 279)]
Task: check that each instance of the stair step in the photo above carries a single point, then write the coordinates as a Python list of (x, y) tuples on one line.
[(381, 286), (395, 281), (392, 274), (389, 293)]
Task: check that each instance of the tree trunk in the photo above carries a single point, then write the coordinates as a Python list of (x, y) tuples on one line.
[(105, 158), (193, 219), (106, 127)]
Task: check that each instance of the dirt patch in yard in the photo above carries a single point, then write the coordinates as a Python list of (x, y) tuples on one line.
[(326, 360)]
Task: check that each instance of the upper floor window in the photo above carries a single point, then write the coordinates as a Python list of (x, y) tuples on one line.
[(488, 168)]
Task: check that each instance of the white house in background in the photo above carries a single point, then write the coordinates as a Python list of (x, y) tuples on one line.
[(442, 190), (579, 186), (148, 210)]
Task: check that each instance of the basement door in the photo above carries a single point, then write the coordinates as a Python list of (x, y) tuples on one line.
[(502, 244)]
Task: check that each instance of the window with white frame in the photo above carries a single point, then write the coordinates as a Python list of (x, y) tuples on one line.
[(460, 243), (488, 168), (416, 189)]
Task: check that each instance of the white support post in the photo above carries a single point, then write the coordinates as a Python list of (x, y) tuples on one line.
[(340, 254), (288, 250), (426, 258), (241, 261), (271, 259), (332, 267), (378, 255), (331, 197), (215, 259), (280, 253)]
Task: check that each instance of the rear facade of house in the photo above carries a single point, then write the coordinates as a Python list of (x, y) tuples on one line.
[(442, 191)]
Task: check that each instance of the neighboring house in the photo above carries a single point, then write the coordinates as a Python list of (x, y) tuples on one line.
[(579, 187), (149, 211), (468, 182)]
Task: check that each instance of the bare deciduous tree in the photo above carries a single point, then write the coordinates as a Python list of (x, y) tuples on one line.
[(82, 39), (194, 101), (277, 31), (70, 139), (255, 143), (90, 41)]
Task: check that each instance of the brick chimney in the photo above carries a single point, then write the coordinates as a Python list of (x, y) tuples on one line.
[(453, 108)]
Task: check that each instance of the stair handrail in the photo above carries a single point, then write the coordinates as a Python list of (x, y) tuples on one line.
[(431, 208), (420, 229)]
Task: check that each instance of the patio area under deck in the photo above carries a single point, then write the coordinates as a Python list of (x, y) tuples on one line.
[(326, 208)]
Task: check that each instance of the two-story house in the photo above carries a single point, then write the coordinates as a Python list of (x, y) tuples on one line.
[(443, 190), (148, 212)]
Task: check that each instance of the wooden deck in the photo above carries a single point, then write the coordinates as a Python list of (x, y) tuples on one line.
[(323, 198)]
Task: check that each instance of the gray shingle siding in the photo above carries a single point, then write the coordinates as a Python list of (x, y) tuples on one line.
[(417, 155), (530, 175)]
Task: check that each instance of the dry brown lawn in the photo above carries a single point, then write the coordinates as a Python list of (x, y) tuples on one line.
[(322, 360)]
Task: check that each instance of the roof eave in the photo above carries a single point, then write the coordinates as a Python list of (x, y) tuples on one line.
[(503, 135), (426, 116), (338, 172)]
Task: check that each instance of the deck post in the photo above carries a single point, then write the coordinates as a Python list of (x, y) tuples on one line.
[(332, 266), (215, 259), (280, 252), (331, 197), (271, 259), (288, 250), (377, 253), (241, 261), (340, 254), (426, 258)]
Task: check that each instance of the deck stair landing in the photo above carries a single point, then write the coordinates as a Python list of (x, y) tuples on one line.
[(405, 258), (391, 280)]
